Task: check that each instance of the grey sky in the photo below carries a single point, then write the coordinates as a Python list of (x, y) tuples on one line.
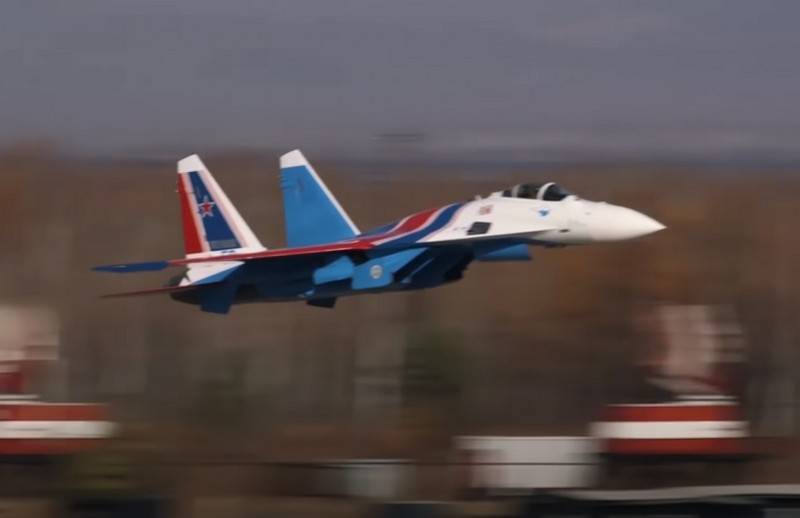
[(110, 76)]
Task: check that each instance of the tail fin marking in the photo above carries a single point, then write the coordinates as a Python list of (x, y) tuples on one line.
[(211, 222)]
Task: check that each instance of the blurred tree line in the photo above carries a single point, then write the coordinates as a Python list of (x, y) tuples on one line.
[(534, 347)]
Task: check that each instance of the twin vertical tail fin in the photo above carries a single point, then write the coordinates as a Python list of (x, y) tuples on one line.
[(211, 224), (212, 227), (312, 214)]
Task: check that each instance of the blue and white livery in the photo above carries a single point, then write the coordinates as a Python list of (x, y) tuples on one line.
[(327, 256)]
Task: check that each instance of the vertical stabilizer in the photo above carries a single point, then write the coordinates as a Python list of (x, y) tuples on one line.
[(312, 214), (211, 224)]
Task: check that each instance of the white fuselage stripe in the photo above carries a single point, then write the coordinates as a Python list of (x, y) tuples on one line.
[(453, 218)]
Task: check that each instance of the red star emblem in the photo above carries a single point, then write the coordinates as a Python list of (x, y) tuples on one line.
[(206, 208)]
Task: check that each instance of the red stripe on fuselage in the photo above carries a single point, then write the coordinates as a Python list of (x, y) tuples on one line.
[(412, 223), (191, 237)]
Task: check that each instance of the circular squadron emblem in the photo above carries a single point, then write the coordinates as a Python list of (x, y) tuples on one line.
[(375, 271)]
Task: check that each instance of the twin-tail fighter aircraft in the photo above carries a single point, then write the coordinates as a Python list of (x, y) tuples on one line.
[(327, 256)]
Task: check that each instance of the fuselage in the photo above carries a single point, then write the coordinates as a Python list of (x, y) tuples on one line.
[(433, 247), (570, 221)]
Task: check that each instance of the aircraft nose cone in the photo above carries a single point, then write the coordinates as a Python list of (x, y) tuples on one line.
[(620, 223), (638, 224)]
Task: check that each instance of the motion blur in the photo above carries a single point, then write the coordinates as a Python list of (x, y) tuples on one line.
[(637, 362), (653, 371)]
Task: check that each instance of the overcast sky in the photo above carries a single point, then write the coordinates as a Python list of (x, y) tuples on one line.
[(131, 77)]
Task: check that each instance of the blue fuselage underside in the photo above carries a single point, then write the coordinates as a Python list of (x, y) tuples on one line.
[(343, 274)]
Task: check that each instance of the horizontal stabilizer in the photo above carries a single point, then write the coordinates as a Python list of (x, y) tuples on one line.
[(152, 266)]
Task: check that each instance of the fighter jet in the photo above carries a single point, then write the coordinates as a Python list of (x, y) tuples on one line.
[(327, 256)]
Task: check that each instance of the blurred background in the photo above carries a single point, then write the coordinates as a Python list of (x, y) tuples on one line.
[(644, 366)]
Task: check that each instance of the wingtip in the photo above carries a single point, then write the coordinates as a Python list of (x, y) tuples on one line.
[(293, 158)]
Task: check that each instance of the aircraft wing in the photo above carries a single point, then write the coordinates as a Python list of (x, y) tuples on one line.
[(154, 291), (154, 266)]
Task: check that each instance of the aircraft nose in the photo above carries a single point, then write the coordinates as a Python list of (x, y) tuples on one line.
[(618, 223)]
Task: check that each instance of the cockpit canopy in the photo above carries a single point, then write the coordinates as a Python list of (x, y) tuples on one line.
[(550, 191)]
